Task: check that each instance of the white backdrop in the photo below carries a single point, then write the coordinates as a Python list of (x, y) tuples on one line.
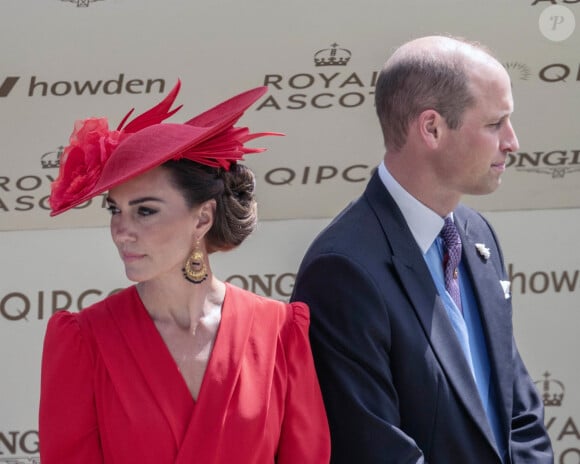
[(68, 59)]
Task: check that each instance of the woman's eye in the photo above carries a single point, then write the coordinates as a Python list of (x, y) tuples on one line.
[(112, 210), (144, 211)]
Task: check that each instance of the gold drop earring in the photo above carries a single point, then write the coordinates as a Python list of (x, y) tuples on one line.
[(195, 270)]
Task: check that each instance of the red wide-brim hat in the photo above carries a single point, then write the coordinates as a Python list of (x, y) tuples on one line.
[(97, 159)]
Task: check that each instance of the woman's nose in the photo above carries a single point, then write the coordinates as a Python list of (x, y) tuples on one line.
[(121, 229)]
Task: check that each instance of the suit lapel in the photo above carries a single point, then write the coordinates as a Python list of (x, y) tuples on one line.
[(418, 285), (494, 309)]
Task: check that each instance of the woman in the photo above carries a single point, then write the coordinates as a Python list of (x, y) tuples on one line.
[(181, 367)]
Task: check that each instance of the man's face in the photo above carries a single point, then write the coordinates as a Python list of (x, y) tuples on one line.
[(475, 154)]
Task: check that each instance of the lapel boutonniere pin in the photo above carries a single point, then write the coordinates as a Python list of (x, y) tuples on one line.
[(483, 251)]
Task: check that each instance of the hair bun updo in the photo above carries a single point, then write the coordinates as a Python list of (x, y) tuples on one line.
[(236, 209)]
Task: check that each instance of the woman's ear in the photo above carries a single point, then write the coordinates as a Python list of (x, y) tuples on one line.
[(205, 215)]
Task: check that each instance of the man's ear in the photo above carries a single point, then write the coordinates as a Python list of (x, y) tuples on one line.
[(430, 125)]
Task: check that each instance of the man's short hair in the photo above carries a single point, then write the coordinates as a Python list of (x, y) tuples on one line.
[(416, 82)]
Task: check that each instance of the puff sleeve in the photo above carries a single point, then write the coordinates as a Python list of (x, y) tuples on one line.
[(68, 430), (305, 437)]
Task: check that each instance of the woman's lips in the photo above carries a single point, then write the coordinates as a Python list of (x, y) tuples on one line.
[(129, 257)]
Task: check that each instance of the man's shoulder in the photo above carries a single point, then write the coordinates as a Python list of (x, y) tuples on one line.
[(355, 234), (349, 222)]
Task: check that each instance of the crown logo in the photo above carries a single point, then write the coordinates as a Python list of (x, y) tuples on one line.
[(81, 3), (552, 390), (556, 173), (51, 159), (332, 56)]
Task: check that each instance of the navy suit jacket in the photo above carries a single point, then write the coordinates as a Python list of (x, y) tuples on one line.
[(396, 385)]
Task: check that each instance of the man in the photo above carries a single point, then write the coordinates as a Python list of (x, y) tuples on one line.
[(417, 362)]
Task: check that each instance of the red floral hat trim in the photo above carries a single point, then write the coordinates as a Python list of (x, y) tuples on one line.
[(98, 158)]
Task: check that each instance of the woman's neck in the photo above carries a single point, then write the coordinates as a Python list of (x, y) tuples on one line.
[(181, 302)]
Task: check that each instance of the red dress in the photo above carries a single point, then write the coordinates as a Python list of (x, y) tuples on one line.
[(111, 392)]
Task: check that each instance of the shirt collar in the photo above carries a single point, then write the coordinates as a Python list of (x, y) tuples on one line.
[(425, 224)]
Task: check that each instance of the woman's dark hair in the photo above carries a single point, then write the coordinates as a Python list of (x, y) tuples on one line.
[(236, 210)]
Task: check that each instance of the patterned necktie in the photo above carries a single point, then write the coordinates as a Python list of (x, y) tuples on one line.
[(451, 258)]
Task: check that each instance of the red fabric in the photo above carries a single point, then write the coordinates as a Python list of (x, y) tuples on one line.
[(98, 159), (111, 392)]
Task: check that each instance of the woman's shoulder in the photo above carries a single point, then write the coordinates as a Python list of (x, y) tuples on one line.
[(97, 311), (66, 333), (295, 312), (78, 331)]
